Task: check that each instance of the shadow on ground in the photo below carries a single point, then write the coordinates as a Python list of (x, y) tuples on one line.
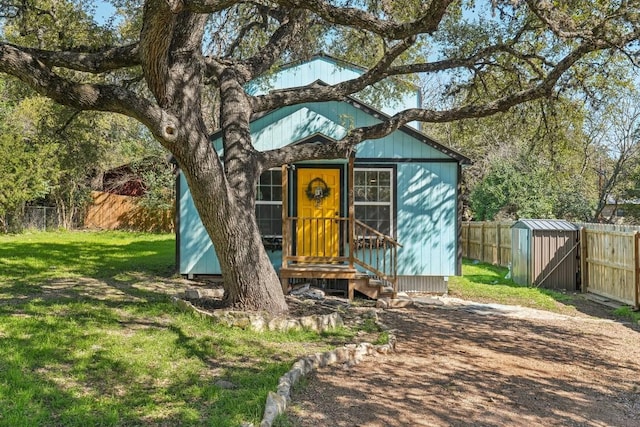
[(459, 368)]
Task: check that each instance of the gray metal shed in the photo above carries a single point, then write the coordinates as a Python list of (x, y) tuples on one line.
[(545, 253)]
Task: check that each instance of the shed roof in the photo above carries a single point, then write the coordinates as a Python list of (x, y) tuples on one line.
[(545, 224)]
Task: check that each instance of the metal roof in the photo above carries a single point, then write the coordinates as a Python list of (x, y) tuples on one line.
[(545, 224)]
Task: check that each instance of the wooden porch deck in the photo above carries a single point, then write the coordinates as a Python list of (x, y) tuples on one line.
[(356, 280)]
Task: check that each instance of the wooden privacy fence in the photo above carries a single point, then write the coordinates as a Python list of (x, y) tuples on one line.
[(115, 212), (609, 259), (610, 264), (488, 242)]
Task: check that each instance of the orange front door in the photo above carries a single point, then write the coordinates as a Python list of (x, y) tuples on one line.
[(318, 197)]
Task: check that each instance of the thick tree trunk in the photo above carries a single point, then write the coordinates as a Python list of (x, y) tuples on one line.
[(173, 66), (250, 280)]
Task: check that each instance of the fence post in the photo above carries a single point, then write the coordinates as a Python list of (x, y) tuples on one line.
[(468, 239), (498, 250), (482, 241), (636, 280), (584, 252)]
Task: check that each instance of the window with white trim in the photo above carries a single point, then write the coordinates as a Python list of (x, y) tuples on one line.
[(269, 203), (373, 198)]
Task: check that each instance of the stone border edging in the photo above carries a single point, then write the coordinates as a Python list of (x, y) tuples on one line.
[(350, 354), (260, 322)]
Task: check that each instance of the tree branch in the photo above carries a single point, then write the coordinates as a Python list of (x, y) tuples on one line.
[(109, 59), (542, 89), (281, 38), (559, 23), (307, 151), (37, 75), (318, 92), (207, 6), (357, 18)]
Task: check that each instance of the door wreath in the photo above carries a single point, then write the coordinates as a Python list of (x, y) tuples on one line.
[(317, 190)]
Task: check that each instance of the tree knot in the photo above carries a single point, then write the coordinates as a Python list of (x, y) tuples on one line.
[(169, 128), (175, 6)]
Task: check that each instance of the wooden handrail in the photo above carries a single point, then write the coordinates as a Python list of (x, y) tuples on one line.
[(357, 243), (376, 232), (376, 252)]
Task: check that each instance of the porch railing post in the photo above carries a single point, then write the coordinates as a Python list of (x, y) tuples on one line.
[(352, 214), (285, 216), (636, 267)]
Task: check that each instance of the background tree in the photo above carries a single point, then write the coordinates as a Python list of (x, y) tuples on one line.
[(79, 145), (73, 148), (527, 162), (496, 55), (615, 150), (25, 174)]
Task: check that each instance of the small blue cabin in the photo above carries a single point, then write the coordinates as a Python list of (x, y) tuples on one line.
[(387, 219)]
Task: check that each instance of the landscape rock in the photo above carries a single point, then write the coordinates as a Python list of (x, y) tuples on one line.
[(316, 294), (300, 289), (227, 385), (400, 302), (197, 293), (348, 356)]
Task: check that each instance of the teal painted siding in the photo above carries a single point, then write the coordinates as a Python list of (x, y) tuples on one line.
[(426, 224), (302, 74), (333, 119), (399, 146), (427, 219), (425, 192), (197, 255), (329, 71), (293, 124), (196, 250)]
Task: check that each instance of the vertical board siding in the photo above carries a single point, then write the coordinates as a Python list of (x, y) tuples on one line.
[(329, 71), (291, 124), (426, 204), (196, 250), (197, 255), (429, 284), (426, 192), (611, 264)]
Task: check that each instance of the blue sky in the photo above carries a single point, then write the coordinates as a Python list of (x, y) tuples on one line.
[(104, 11)]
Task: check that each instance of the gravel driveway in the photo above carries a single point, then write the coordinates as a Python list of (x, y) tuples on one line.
[(463, 363)]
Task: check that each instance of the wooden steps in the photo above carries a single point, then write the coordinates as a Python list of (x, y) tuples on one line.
[(373, 288)]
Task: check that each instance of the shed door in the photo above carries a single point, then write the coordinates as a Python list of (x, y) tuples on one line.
[(520, 262), (318, 231)]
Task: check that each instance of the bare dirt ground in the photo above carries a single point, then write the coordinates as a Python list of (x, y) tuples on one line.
[(485, 365)]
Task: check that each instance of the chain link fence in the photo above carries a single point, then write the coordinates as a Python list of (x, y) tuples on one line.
[(40, 218)]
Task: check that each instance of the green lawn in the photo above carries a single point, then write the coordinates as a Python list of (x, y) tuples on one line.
[(89, 337), (487, 283)]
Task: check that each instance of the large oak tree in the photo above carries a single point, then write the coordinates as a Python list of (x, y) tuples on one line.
[(197, 56)]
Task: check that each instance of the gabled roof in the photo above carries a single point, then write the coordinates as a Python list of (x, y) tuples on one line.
[(341, 63), (321, 55), (545, 224), (412, 132), (421, 136)]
